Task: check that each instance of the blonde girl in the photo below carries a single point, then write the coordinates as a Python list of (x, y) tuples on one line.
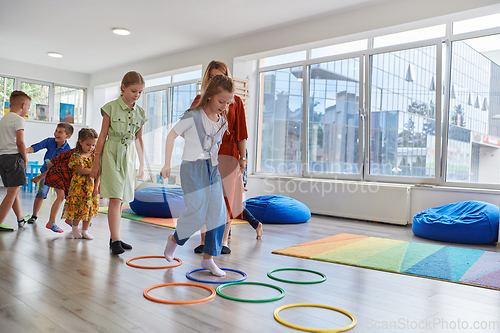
[(232, 159), (202, 127), (120, 137), (81, 203)]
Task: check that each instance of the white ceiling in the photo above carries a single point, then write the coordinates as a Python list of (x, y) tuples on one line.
[(81, 30)]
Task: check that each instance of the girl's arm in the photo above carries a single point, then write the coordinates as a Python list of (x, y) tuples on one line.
[(169, 147), (96, 168), (139, 145), (96, 186), (242, 148), (82, 171)]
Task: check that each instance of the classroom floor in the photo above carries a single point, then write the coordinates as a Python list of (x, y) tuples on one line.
[(52, 283)]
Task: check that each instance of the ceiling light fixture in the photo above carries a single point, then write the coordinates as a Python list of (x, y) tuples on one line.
[(54, 54), (121, 31)]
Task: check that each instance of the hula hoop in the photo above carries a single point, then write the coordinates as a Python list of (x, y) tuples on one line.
[(188, 275), (152, 267), (219, 288), (297, 269), (212, 295), (333, 330)]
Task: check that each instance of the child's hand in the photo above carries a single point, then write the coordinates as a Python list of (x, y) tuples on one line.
[(95, 171), (37, 178), (30, 150), (165, 171), (140, 172)]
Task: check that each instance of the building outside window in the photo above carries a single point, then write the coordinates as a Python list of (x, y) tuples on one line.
[(402, 113), (280, 120), (402, 95), (334, 117)]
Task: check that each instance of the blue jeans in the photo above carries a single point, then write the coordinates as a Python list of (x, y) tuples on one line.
[(43, 189), (204, 201)]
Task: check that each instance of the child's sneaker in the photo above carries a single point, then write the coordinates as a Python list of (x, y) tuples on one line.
[(53, 227), (32, 220), (68, 222), (4, 227), (21, 222)]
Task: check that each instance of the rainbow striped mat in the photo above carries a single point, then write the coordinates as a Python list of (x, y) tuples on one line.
[(467, 266)]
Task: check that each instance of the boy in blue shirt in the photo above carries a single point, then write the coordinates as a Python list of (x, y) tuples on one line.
[(54, 146)]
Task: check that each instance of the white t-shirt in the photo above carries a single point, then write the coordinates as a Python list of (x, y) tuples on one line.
[(9, 125), (192, 147)]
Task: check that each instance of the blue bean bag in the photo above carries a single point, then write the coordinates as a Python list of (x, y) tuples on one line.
[(468, 222), (278, 209), (164, 202)]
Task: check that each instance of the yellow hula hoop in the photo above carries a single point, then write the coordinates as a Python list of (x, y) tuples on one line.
[(333, 330)]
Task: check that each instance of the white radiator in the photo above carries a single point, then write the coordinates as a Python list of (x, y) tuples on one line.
[(370, 201)]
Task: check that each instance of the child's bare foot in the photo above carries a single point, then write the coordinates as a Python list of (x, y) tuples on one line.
[(36, 179), (259, 231)]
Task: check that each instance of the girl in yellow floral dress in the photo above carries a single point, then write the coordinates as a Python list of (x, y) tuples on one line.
[(81, 203)]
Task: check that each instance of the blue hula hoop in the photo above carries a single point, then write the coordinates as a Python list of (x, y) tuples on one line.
[(188, 275)]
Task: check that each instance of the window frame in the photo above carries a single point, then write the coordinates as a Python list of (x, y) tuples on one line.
[(437, 42)]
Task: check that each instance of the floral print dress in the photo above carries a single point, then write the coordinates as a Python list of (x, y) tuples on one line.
[(80, 203)]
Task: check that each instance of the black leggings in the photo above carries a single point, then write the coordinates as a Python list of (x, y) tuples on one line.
[(247, 216)]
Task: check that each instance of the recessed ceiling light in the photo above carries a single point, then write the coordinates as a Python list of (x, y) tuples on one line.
[(54, 55), (121, 31)]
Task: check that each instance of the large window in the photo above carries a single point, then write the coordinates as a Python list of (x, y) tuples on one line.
[(280, 120), (425, 109), (39, 93), (69, 104), (164, 107), (402, 113), (49, 102), (473, 133), (334, 117)]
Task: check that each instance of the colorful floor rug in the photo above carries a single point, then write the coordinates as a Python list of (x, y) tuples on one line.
[(164, 222), (467, 266)]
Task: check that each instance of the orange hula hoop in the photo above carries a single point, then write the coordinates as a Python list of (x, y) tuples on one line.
[(146, 291), (179, 262)]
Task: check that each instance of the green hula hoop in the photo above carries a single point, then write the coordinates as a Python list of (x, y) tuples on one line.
[(270, 274), (219, 288)]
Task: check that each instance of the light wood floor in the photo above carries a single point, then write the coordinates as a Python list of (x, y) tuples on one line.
[(52, 283)]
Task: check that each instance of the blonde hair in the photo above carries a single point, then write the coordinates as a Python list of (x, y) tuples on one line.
[(18, 97), (84, 134), (216, 85), (131, 78), (214, 64)]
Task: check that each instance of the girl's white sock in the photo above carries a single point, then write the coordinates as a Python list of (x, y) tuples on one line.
[(212, 267), (86, 235), (170, 249), (76, 232)]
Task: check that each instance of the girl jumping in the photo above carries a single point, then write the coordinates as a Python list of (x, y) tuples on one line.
[(202, 127)]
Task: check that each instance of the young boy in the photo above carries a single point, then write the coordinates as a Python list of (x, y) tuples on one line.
[(55, 146), (13, 158)]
